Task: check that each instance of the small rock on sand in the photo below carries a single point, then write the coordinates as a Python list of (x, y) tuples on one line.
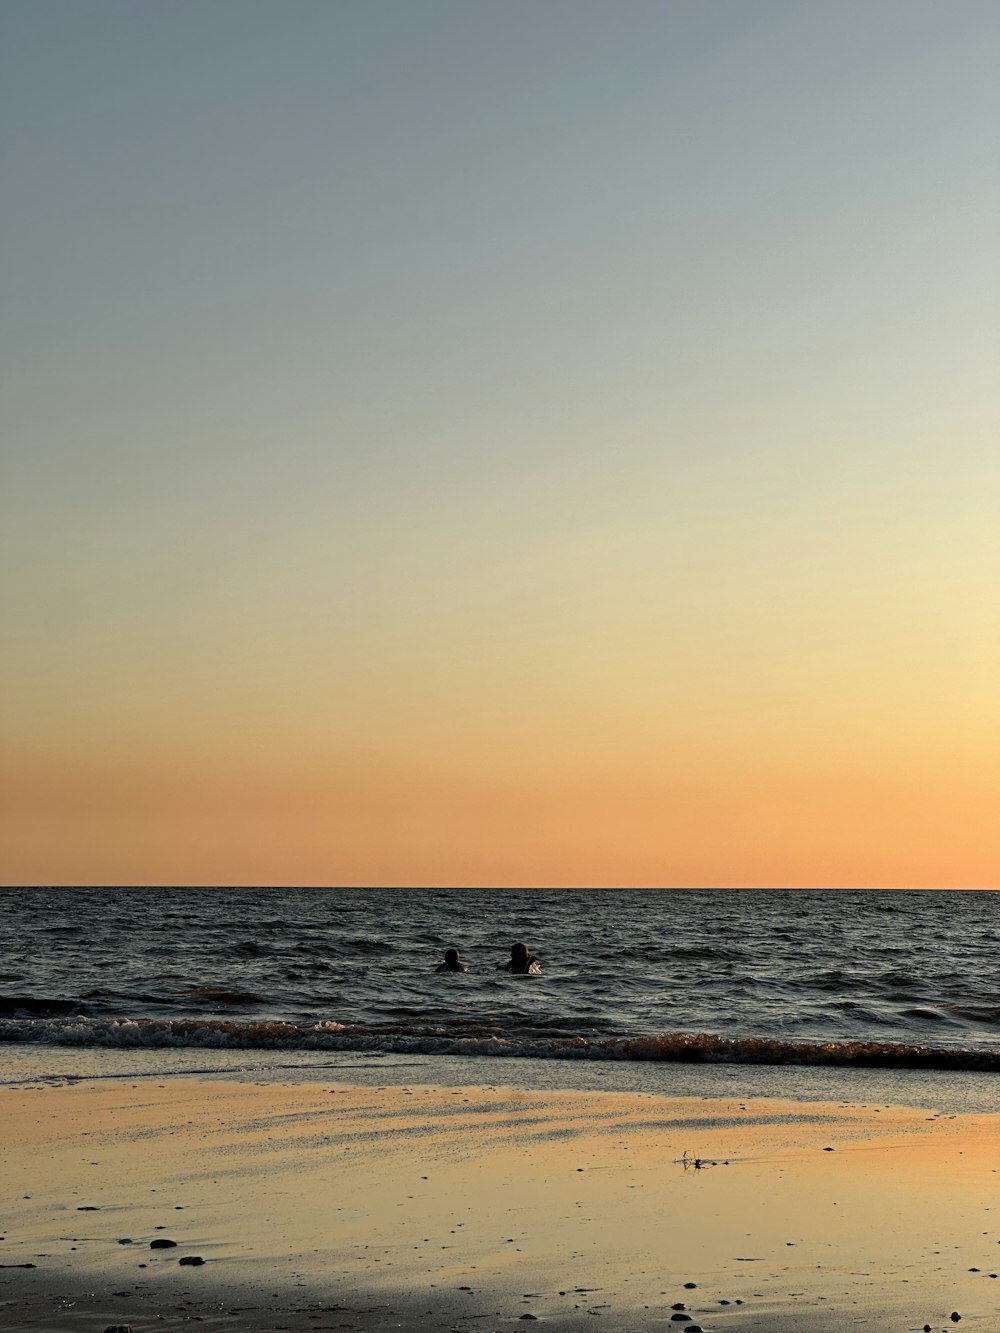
[(163, 1244), (194, 1259)]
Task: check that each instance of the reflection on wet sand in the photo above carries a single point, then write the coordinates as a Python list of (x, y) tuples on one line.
[(423, 1206)]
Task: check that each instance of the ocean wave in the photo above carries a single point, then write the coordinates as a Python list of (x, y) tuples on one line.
[(707, 1047), (220, 995), (107, 993), (987, 1015), (38, 1004), (924, 1014), (674, 953), (149, 1033)]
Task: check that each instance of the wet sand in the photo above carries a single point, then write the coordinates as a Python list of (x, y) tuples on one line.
[(488, 1208)]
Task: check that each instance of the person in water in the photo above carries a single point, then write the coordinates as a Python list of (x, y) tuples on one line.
[(452, 962), (520, 961)]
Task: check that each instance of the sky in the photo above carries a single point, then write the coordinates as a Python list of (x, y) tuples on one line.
[(500, 444)]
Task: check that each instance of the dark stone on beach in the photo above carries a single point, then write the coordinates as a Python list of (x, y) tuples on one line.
[(954, 1316), (690, 1286), (529, 1316), (163, 1244), (973, 1270), (828, 1150), (88, 1208), (927, 1328), (125, 1240), (693, 1328), (686, 1317), (679, 1306), (195, 1260)]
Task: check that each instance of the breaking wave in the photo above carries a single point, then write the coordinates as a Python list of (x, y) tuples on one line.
[(149, 1033)]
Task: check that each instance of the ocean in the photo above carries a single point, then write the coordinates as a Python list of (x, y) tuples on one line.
[(877, 979)]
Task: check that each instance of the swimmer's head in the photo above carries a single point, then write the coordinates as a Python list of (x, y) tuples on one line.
[(451, 955), (518, 951)]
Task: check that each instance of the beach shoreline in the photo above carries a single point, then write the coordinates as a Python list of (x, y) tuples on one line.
[(954, 1090), (392, 1205)]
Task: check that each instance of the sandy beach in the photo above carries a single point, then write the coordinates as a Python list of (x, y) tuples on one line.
[(340, 1207)]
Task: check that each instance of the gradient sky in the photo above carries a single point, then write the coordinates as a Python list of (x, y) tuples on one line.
[(516, 443)]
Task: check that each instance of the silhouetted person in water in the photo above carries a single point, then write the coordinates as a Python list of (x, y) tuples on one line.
[(452, 962), (520, 962)]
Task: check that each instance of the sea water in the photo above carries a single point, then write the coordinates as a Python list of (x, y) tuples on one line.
[(805, 978)]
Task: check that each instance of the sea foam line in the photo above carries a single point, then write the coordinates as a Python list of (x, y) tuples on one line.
[(149, 1033)]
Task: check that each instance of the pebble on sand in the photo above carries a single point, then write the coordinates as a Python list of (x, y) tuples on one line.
[(194, 1259)]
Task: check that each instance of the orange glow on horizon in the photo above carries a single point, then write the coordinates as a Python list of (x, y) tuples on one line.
[(394, 825)]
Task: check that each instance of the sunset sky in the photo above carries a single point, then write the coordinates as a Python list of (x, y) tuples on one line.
[(534, 442)]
